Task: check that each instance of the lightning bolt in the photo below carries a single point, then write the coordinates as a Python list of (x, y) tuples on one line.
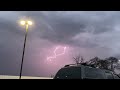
[(55, 55)]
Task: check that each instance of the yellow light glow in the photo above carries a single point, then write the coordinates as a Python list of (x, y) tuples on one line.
[(22, 22), (29, 22)]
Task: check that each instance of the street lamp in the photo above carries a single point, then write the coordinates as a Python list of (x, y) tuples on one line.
[(26, 24)]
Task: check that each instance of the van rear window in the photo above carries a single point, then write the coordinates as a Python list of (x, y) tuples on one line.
[(69, 73), (93, 73)]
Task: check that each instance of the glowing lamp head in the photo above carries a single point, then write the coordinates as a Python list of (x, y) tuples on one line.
[(29, 22), (22, 22)]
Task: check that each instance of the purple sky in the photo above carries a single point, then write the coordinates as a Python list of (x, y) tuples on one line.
[(88, 33)]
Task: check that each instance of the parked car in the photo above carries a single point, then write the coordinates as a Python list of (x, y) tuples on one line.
[(84, 72)]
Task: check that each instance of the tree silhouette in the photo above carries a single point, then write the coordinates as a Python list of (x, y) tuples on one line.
[(112, 62), (109, 63), (78, 59), (94, 62)]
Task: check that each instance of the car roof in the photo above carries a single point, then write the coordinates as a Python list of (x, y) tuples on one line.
[(80, 65)]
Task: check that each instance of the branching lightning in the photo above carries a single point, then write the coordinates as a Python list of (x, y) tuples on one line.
[(55, 55)]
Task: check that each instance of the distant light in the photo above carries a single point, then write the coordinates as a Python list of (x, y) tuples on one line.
[(29, 22), (22, 22), (26, 22)]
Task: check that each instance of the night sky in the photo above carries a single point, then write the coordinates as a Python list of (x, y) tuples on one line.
[(88, 33)]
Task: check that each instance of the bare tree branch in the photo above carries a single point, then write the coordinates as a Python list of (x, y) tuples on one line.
[(78, 59)]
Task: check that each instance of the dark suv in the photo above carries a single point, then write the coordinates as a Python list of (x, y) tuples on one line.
[(84, 72)]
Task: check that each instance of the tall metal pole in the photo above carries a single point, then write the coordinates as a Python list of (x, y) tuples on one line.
[(23, 51)]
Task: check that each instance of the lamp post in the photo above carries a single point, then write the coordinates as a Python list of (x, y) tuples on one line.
[(26, 23)]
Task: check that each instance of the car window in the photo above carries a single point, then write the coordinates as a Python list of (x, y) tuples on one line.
[(69, 73), (93, 73), (109, 75)]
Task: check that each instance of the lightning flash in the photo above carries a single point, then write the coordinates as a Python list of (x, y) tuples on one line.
[(56, 55)]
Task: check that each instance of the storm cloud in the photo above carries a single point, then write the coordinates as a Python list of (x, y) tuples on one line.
[(90, 33)]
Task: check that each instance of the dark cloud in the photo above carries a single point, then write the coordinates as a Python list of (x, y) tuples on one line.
[(62, 26), (8, 26), (89, 33)]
